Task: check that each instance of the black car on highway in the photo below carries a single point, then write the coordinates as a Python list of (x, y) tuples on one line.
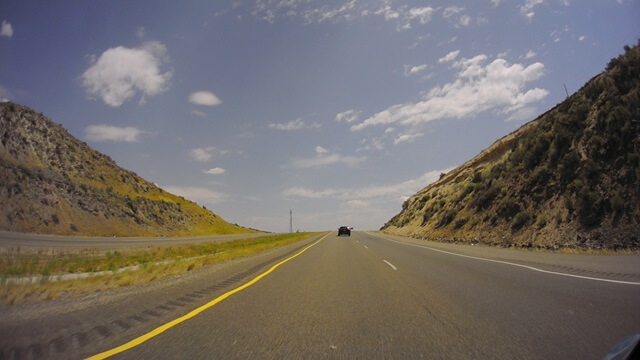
[(344, 230)]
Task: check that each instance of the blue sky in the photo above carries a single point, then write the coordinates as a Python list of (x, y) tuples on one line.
[(337, 110)]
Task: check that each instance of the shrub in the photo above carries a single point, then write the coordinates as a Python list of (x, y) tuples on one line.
[(542, 221), (460, 223), (520, 220), (447, 217), (590, 206), (484, 197), (508, 207)]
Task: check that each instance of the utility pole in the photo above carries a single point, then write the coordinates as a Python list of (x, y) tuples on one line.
[(290, 221)]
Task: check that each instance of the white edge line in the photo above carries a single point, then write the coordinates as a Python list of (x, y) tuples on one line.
[(514, 264), (390, 264)]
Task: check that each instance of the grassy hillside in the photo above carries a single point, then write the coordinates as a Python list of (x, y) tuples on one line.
[(52, 183), (570, 178)]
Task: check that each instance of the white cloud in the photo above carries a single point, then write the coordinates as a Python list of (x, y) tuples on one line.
[(404, 16), (529, 54), (112, 133), (358, 204), (293, 125), (495, 2), (527, 9), (307, 193), (451, 10), (215, 171), (465, 20), (205, 98), (205, 154), (582, 38), (412, 70), (449, 57), (360, 195), (7, 29), (349, 116), (408, 138), (198, 113), (141, 32), (4, 94), (324, 158), (325, 13), (197, 194), (423, 14), (120, 72), (375, 144), (477, 88)]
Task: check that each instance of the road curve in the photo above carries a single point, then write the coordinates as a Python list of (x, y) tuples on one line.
[(364, 296)]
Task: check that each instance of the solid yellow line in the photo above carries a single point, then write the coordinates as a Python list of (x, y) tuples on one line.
[(159, 330)]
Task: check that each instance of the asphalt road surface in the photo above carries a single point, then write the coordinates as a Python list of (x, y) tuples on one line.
[(366, 296)]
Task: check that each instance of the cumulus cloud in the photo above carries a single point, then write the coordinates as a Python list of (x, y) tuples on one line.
[(412, 70), (112, 133), (293, 125), (465, 20), (204, 98), (349, 116), (527, 9), (197, 194), (4, 94), (405, 17), (497, 86), (326, 13), (529, 54), (359, 195), (448, 12), (120, 72), (325, 158), (215, 171), (449, 57), (206, 153), (303, 192), (375, 144), (7, 29), (408, 138)]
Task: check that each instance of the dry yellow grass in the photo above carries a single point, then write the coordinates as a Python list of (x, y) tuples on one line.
[(152, 264)]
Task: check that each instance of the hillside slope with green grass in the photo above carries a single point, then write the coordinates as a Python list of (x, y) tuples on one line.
[(568, 179), (52, 183)]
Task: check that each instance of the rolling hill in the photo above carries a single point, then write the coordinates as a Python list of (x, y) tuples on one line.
[(52, 183), (568, 179)]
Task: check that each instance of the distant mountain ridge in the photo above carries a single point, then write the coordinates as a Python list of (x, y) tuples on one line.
[(52, 183), (568, 179)]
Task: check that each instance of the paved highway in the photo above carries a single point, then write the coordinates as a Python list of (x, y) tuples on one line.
[(365, 296)]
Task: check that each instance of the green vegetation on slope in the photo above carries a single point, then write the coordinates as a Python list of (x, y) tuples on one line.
[(53, 183), (570, 178)]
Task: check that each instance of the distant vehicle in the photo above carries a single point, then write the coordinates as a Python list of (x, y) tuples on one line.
[(344, 230)]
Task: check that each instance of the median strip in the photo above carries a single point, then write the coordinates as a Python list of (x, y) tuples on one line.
[(159, 330)]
